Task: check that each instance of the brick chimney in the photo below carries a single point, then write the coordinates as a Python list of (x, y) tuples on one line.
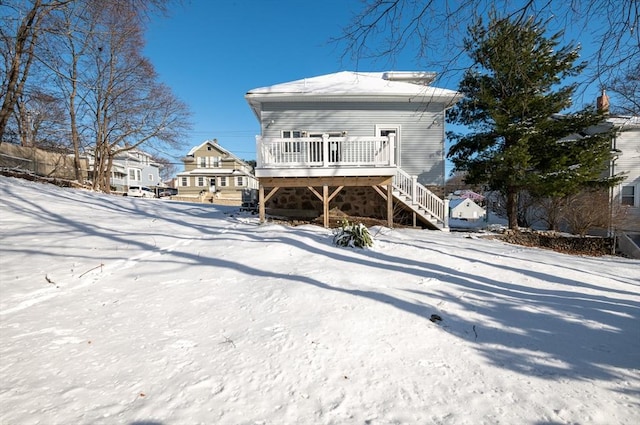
[(602, 103)]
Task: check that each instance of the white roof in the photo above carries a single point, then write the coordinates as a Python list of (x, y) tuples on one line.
[(212, 143), (624, 122), (348, 85)]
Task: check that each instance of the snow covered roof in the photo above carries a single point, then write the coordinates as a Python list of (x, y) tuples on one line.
[(348, 85), (217, 146), (624, 122), (455, 202)]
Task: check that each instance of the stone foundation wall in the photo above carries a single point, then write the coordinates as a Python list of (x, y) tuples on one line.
[(301, 203)]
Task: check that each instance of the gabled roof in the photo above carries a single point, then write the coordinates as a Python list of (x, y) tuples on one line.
[(348, 85), (215, 144), (456, 202)]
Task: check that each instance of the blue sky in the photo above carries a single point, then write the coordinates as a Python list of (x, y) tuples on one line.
[(212, 52)]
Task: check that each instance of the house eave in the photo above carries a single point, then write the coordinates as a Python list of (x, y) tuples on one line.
[(448, 98)]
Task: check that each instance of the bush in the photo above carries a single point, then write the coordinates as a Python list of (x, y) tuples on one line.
[(352, 235)]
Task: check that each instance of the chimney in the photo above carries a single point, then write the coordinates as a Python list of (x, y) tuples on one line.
[(602, 103), (215, 141)]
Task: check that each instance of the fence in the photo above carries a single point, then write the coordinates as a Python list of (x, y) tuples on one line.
[(39, 162)]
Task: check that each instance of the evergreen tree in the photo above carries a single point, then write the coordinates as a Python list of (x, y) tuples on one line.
[(518, 139)]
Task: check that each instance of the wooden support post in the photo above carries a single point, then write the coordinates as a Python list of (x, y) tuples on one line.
[(261, 203), (262, 200), (325, 204), (390, 205)]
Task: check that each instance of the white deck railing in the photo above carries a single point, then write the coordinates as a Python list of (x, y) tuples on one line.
[(325, 151), (335, 152)]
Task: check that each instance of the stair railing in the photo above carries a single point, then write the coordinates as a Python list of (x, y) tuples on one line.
[(421, 197)]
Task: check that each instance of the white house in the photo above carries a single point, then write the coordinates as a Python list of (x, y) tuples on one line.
[(132, 168), (626, 159), (466, 208), (364, 142)]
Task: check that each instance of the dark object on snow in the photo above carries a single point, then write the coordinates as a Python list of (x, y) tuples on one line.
[(435, 318)]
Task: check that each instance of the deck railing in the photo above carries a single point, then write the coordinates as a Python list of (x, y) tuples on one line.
[(325, 151)]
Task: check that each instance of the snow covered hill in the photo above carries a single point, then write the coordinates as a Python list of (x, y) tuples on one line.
[(116, 310)]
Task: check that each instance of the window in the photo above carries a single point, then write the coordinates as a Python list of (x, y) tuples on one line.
[(239, 181), (216, 161), (150, 177), (292, 146), (628, 195), (134, 174), (184, 181), (202, 161), (223, 182), (200, 181)]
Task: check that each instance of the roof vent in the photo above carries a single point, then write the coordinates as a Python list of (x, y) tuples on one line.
[(413, 77)]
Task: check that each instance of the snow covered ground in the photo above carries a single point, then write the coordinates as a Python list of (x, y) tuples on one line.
[(116, 310)]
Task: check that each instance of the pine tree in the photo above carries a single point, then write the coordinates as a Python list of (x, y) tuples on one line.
[(518, 138)]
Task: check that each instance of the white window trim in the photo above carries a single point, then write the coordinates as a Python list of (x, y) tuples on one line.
[(636, 195), (379, 128)]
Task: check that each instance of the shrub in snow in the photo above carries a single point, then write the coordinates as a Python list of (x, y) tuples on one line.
[(352, 235)]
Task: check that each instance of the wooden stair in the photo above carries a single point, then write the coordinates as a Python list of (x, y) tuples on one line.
[(427, 207)]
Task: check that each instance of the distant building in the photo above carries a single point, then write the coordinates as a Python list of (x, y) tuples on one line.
[(465, 208), (212, 172), (625, 158), (131, 168)]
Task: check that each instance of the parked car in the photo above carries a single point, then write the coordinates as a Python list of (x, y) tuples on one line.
[(140, 192), (167, 191)]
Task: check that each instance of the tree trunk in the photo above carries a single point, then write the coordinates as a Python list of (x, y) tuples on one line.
[(512, 207), (75, 137), (29, 27)]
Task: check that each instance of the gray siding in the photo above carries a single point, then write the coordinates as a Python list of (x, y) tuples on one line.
[(421, 144)]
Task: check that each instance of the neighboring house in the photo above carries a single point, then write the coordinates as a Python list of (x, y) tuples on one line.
[(626, 159), (132, 168), (465, 208), (210, 171), (363, 142)]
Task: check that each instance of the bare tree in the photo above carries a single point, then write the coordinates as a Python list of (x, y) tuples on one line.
[(587, 210), (40, 120), (627, 88), (128, 107), (167, 168), (550, 211), (29, 29), (385, 28)]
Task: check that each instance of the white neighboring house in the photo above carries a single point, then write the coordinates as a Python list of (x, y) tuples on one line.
[(466, 209), (626, 158), (132, 168)]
